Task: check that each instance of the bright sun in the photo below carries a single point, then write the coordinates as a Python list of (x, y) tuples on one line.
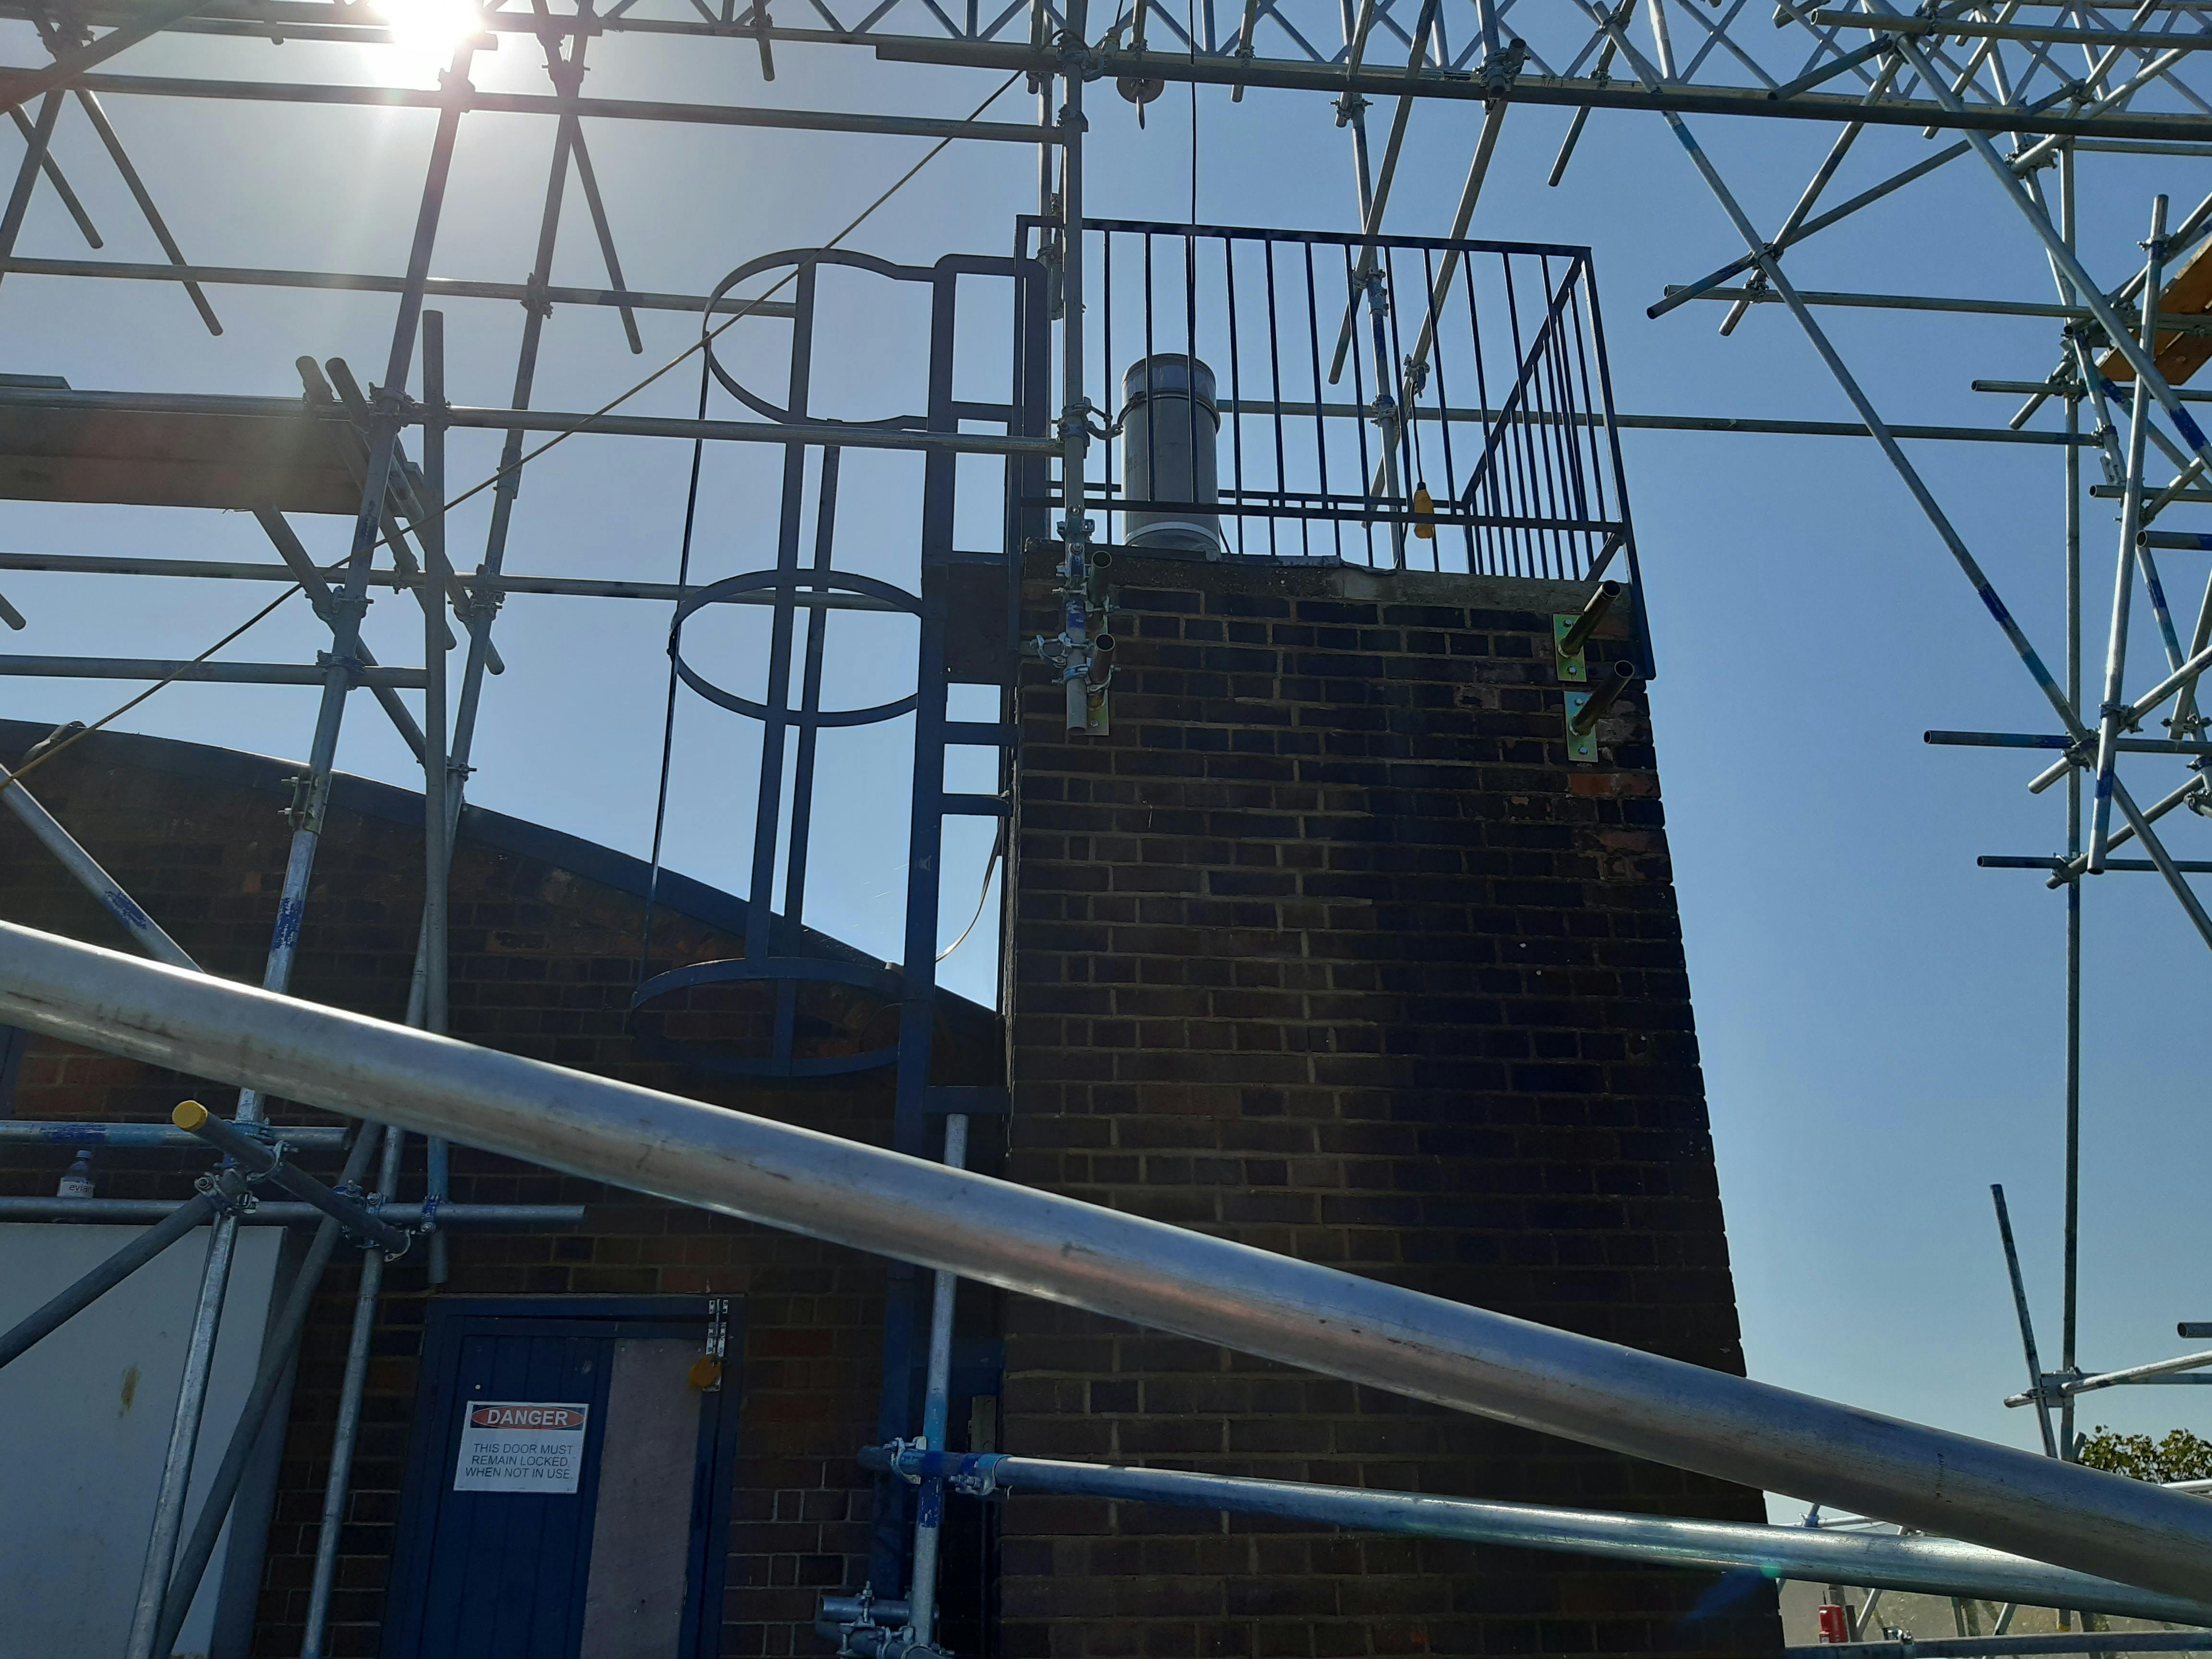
[(430, 28)]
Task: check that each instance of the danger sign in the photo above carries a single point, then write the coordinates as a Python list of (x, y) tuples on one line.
[(521, 1445)]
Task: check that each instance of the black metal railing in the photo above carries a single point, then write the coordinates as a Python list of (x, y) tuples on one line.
[(1388, 400)]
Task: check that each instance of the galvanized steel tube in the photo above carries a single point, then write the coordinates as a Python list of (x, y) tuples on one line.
[(1123, 1265), (278, 1354), (227, 674), (94, 880), (61, 1131), (66, 1304), (936, 1412), (1939, 1566), (144, 1211), (168, 1518), (1993, 1647), (353, 1387)]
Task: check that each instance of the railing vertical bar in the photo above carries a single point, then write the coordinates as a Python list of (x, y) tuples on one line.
[(1443, 402), (1151, 427), (1501, 469), (1275, 379), (1359, 426), (1408, 447), (1589, 463), (1552, 437), (1321, 432), (1555, 436), (1235, 387), (1594, 493), (1517, 434), (1493, 552), (1109, 380), (1539, 500), (1190, 352), (1568, 444)]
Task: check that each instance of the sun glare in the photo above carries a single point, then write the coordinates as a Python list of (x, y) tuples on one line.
[(430, 28)]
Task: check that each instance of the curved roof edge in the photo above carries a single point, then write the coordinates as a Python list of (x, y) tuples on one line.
[(622, 872)]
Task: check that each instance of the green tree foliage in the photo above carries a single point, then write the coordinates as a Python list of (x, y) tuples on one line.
[(2181, 1456)]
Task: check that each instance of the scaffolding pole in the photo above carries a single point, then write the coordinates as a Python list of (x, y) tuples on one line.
[(1123, 1265)]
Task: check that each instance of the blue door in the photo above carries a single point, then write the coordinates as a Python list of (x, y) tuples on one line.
[(568, 1482)]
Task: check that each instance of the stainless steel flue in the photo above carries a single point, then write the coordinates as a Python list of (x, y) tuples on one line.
[(1170, 427)]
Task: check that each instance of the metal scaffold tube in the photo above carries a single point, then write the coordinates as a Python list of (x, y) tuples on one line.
[(438, 782), (337, 1483), (1120, 1265), (184, 1435), (1935, 1565), (602, 109), (279, 1354), (2064, 260), (284, 1212), (1292, 76), (2087, 1644), (2115, 709), (67, 1304), (937, 1398), (150, 934), (348, 605)]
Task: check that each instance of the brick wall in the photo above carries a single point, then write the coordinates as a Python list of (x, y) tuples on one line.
[(545, 947), (1328, 949)]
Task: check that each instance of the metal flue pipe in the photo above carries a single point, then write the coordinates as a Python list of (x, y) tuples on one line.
[(1938, 1566), (1123, 1265)]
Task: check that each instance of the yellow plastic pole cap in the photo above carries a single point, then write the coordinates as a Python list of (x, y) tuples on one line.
[(189, 1115)]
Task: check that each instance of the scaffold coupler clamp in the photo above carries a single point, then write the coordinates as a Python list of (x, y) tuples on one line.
[(896, 1452), (277, 1150), (232, 1190), (351, 664), (975, 1477), (871, 1626), (373, 1203), (861, 1624), (306, 805), (1501, 67), (1075, 419), (1077, 62)]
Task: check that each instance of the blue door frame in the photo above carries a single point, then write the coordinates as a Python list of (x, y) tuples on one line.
[(469, 1569)]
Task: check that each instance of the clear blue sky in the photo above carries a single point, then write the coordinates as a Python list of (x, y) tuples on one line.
[(1880, 1021)]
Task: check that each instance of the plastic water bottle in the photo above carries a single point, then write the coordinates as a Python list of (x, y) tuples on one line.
[(77, 1183)]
